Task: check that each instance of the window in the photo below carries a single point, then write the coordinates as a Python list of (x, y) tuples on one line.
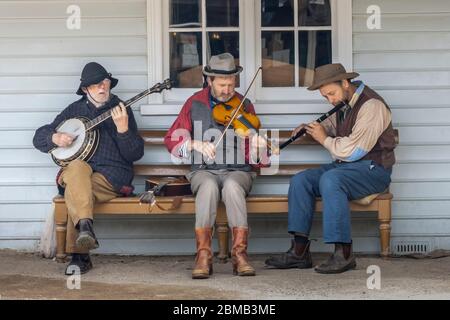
[(198, 29), (288, 38), (295, 39)]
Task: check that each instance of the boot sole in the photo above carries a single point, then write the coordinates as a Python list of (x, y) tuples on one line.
[(203, 275), (349, 267), (292, 266), (247, 273), (244, 274), (200, 276), (86, 242)]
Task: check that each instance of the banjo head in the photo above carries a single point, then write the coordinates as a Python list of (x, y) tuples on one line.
[(76, 128)]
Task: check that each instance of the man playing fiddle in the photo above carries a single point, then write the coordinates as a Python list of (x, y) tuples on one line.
[(229, 176)]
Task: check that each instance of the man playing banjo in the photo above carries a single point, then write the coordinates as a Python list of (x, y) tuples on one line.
[(108, 173)]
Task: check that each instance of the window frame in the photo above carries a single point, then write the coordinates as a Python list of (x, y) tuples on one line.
[(250, 53), (178, 94)]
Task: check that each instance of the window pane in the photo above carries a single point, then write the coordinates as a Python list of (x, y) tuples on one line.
[(186, 59), (185, 13), (277, 13), (221, 42), (315, 51), (222, 13), (278, 58), (314, 13)]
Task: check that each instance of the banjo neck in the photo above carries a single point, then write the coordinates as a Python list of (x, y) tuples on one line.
[(86, 137), (92, 124)]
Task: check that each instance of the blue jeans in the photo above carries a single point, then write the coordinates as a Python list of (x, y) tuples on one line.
[(336, 183)]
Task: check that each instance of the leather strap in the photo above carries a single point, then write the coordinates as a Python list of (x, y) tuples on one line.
[(156, 190), (176, 203), (149, 198)]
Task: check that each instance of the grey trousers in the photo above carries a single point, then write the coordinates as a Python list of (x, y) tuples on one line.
[(209, 186)]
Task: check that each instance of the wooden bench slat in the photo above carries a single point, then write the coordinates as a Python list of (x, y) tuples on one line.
[(156, 137), (255, 198), (161, 170), (188, 207), (181, 170)]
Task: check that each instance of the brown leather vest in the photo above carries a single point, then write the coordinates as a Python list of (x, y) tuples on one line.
[(383, 151)]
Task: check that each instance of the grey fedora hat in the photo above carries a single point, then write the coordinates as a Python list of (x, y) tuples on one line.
[(330, 73), (222, 65)]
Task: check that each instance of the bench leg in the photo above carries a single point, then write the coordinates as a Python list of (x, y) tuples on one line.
[(384, 217), (61, 233), (222, 234)]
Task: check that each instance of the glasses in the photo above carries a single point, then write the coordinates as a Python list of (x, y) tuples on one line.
[(104, 82)]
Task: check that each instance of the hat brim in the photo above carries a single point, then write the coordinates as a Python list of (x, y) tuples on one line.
[(80, 91), (219, 73), (343, 76)]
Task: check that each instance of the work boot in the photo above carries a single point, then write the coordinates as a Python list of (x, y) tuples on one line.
[(239, 257), (340, 261), (86, 238), (203, 261), (298, 256), (82, 261)]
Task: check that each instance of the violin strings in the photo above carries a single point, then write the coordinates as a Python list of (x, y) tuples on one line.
[(238, 108)]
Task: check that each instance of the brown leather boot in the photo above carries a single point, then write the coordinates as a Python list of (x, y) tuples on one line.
[(239, 256), (203, 260)]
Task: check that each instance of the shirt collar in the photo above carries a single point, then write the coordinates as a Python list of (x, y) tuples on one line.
[(357, 93), (213, 101)]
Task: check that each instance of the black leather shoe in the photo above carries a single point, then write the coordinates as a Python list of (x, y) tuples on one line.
[(291, 260), (81, 261), (86, 239), (337, 263)]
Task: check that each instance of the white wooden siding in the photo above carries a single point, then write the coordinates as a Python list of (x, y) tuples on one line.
[(407, 62), (40, 65)]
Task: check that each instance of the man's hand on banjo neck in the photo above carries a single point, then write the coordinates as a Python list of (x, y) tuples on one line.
[(120, 117), (99, 94)]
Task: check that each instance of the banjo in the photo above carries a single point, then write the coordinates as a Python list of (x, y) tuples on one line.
[(86, 135)]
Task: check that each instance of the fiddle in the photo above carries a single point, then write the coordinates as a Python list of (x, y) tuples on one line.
[(228, 121), (224, 113), (231, 114), (244, 123)]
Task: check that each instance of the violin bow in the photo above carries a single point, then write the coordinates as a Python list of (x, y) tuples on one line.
[(238, 108)]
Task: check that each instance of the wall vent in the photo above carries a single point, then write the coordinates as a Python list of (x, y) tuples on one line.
[(409, 247)]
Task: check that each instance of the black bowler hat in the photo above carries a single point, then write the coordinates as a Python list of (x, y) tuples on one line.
[(94, 73)]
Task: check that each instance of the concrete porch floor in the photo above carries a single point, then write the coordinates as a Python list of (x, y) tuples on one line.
[(28, 276)]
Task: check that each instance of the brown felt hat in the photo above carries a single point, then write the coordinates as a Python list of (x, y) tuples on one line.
[(330, 73)]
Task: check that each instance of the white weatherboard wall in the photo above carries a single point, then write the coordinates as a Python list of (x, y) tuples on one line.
[(40, 65), (407, 61)]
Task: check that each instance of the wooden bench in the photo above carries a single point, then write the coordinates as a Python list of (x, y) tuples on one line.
[(266, 204)]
